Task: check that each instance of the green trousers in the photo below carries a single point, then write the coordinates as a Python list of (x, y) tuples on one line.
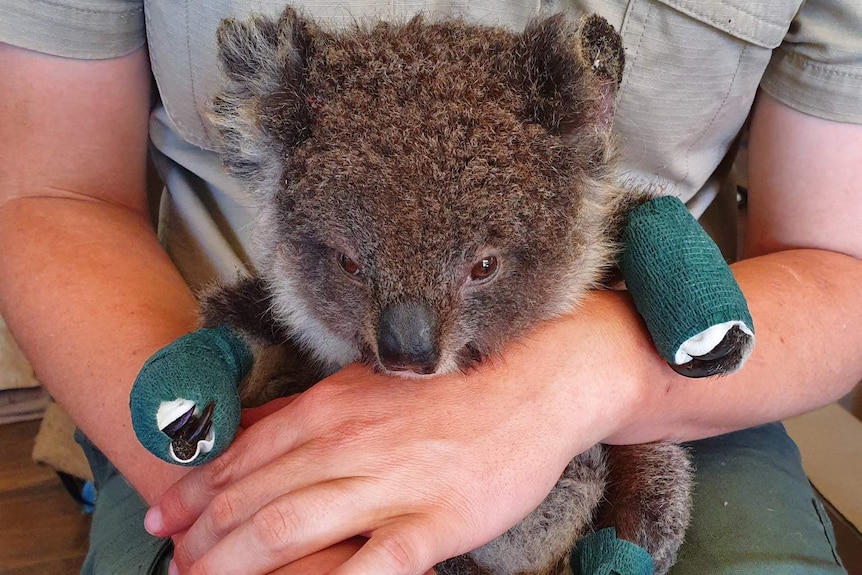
[(754, 514), (754, 510)]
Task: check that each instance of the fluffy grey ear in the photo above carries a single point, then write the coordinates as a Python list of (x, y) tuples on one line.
[(570, 72), (262, 111)]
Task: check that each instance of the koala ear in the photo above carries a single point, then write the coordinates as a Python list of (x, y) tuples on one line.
[(570, 72), (256, 52), (262, 111)]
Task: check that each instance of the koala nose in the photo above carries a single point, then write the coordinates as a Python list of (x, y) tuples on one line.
[(405, 338)]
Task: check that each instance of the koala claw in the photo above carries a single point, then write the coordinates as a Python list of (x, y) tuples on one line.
[(190, 434), (727, 356), (174, 427)]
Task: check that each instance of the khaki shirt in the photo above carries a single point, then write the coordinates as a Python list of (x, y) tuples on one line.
[(693, 68)]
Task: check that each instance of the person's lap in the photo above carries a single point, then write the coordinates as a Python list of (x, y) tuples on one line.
[(754, 514), (754, 510), (118, 542)]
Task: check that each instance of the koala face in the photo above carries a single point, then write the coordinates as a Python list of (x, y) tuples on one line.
[(428, 191)]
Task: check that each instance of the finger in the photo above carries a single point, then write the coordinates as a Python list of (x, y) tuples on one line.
[(181, 505), (324, 561), (402, 548), (287, 529), (252, 415), (241, 500)]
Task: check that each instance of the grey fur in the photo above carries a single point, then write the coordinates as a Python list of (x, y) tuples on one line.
[(648, 492), (417, 150), (550, 532)]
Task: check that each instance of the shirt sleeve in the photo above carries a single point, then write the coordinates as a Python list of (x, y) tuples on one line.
[(84, 29), (818, 67)]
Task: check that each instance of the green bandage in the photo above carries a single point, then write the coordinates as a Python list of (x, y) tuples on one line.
[(201, 367), (676, 276), (601, 553)]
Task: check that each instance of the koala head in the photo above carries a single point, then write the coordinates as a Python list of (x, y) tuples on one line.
[(427, 191)]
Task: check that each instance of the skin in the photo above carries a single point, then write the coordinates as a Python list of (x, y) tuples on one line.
[(421, 471)]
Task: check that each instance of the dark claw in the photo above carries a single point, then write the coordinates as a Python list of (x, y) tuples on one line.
[(186, 431), (176, 425), (697, 368), (723, 358), (204, 422), (724, 347)]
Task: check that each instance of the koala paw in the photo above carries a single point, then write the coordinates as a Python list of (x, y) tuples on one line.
[(184, 403), (718, 350), (189, 429)]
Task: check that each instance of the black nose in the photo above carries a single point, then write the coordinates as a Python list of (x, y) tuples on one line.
[(406, 338)]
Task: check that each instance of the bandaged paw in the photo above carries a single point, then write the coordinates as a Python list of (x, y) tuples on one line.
[(684, 290), (184, 403), (718, 350), (189, 428), (602, 553)]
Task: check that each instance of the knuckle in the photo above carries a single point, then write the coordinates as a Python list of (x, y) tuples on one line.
[(317, 399), (224, 512), (401, 553), (325, 447), (276, 525), (177, 507), (218, 473), (351, 431)]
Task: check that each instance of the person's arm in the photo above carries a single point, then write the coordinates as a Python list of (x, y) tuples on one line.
[(84, 284), (801, 276)]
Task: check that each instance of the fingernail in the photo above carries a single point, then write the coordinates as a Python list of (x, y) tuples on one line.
[(173, 569), (153, 521)]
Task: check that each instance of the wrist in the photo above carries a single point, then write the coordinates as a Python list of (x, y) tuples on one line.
[(636, 378), (594, 367)]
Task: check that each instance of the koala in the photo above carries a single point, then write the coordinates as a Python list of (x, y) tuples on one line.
[(427, 192)]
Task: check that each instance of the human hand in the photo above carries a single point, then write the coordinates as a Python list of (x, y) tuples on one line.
[(426, 469), (322, 561), (326, 560)]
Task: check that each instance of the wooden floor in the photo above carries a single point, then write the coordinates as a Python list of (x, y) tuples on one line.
[(42, 530)]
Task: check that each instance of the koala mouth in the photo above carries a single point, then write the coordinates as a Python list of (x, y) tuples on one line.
[(467, 357)]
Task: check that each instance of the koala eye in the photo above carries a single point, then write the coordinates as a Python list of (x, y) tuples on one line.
[(349, 266), (484, 269)]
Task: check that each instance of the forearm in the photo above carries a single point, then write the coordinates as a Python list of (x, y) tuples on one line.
[(89, 294), (803, 188), (806, 354), (598, 363)]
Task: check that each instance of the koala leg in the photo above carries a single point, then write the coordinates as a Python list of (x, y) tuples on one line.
[(648, 498), (541, 542), (245, 306), (280, 366)]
